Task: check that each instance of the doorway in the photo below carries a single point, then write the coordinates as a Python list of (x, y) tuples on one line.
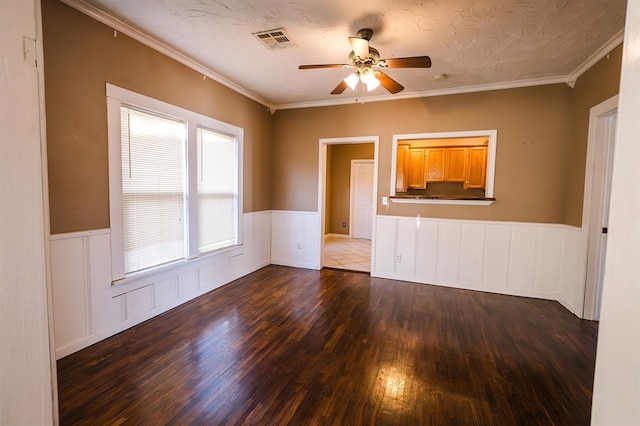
[(347, 209), (601, 140)]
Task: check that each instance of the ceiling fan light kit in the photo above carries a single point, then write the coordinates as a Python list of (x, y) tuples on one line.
[(367, 64), (352, 80), (366, 76)]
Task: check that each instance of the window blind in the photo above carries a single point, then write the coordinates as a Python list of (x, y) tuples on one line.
[(153, 189), (217, 190)]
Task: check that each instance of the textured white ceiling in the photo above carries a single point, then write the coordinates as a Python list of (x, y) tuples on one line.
[(473, 42)]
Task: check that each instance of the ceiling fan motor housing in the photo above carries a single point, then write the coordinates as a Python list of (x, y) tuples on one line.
[(373, 59)]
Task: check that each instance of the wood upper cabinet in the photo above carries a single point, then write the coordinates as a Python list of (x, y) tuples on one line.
[(402, 168), (416, 169), (434, 165), (477, 167), (455, 167)]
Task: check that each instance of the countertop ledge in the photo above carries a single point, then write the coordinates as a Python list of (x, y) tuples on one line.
[(419, 199)]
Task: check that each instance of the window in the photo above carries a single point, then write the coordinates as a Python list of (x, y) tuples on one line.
[(174, 183), (217, 192), (153, 190)]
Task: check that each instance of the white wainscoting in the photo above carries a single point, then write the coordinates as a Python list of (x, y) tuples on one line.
[(524, 259), (87, 308), (295, 240)]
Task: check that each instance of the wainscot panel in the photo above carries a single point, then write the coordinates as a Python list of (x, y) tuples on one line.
[(523, 259), (87, 308), (574, 269), (295, 239)]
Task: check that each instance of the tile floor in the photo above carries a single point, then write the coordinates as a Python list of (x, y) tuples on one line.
[(347, 253)]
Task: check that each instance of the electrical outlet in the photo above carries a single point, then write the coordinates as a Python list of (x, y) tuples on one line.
[(385, 201), (398, 258), (299, 246)]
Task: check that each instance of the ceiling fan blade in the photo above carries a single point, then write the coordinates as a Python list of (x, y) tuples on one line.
[(412, 62), (341, 87), (311, 67), (360, 47), (388, 83)]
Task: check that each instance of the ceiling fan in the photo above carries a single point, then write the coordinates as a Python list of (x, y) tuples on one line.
[(367, 65)]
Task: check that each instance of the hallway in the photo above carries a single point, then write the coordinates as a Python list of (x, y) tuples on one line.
[(352, 254)]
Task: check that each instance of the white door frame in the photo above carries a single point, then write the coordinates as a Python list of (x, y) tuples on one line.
[(352, 203), (597, 148), (322, 187)]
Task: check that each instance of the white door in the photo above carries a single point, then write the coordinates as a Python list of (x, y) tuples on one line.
[(610, 135), (361, 206), (604, 128)]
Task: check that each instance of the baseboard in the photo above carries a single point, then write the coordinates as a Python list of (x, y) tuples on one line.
[(570, 307), (336, 236), (463, 286), (295, 264)]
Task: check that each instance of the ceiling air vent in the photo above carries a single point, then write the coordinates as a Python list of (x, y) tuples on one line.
[(275, 39)]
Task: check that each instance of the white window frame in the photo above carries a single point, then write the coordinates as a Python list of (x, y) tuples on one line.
[(118, 97), (491, 165)]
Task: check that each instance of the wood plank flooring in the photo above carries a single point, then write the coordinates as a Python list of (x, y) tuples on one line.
[(292, 346)]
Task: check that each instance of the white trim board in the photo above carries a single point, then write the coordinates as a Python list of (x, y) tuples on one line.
[(614, 42), (429, 93)]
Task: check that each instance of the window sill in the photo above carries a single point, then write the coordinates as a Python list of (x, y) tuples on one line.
[(148, 277), (411, 199)]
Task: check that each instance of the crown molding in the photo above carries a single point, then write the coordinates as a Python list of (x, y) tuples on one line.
[(136, 34), (570, 79), (124, 28), (428, 93), (614, 42)]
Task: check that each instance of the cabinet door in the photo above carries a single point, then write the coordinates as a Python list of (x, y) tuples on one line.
[(455, 168), (434, 165), (402, 168), (477, 168), (416, 169)]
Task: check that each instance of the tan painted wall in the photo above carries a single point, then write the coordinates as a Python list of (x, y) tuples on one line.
[(534, 129), (81, 55), (599, 83), (339, 183), (541, 130)]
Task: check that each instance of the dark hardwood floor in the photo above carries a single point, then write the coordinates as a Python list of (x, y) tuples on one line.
[(292, 346)]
